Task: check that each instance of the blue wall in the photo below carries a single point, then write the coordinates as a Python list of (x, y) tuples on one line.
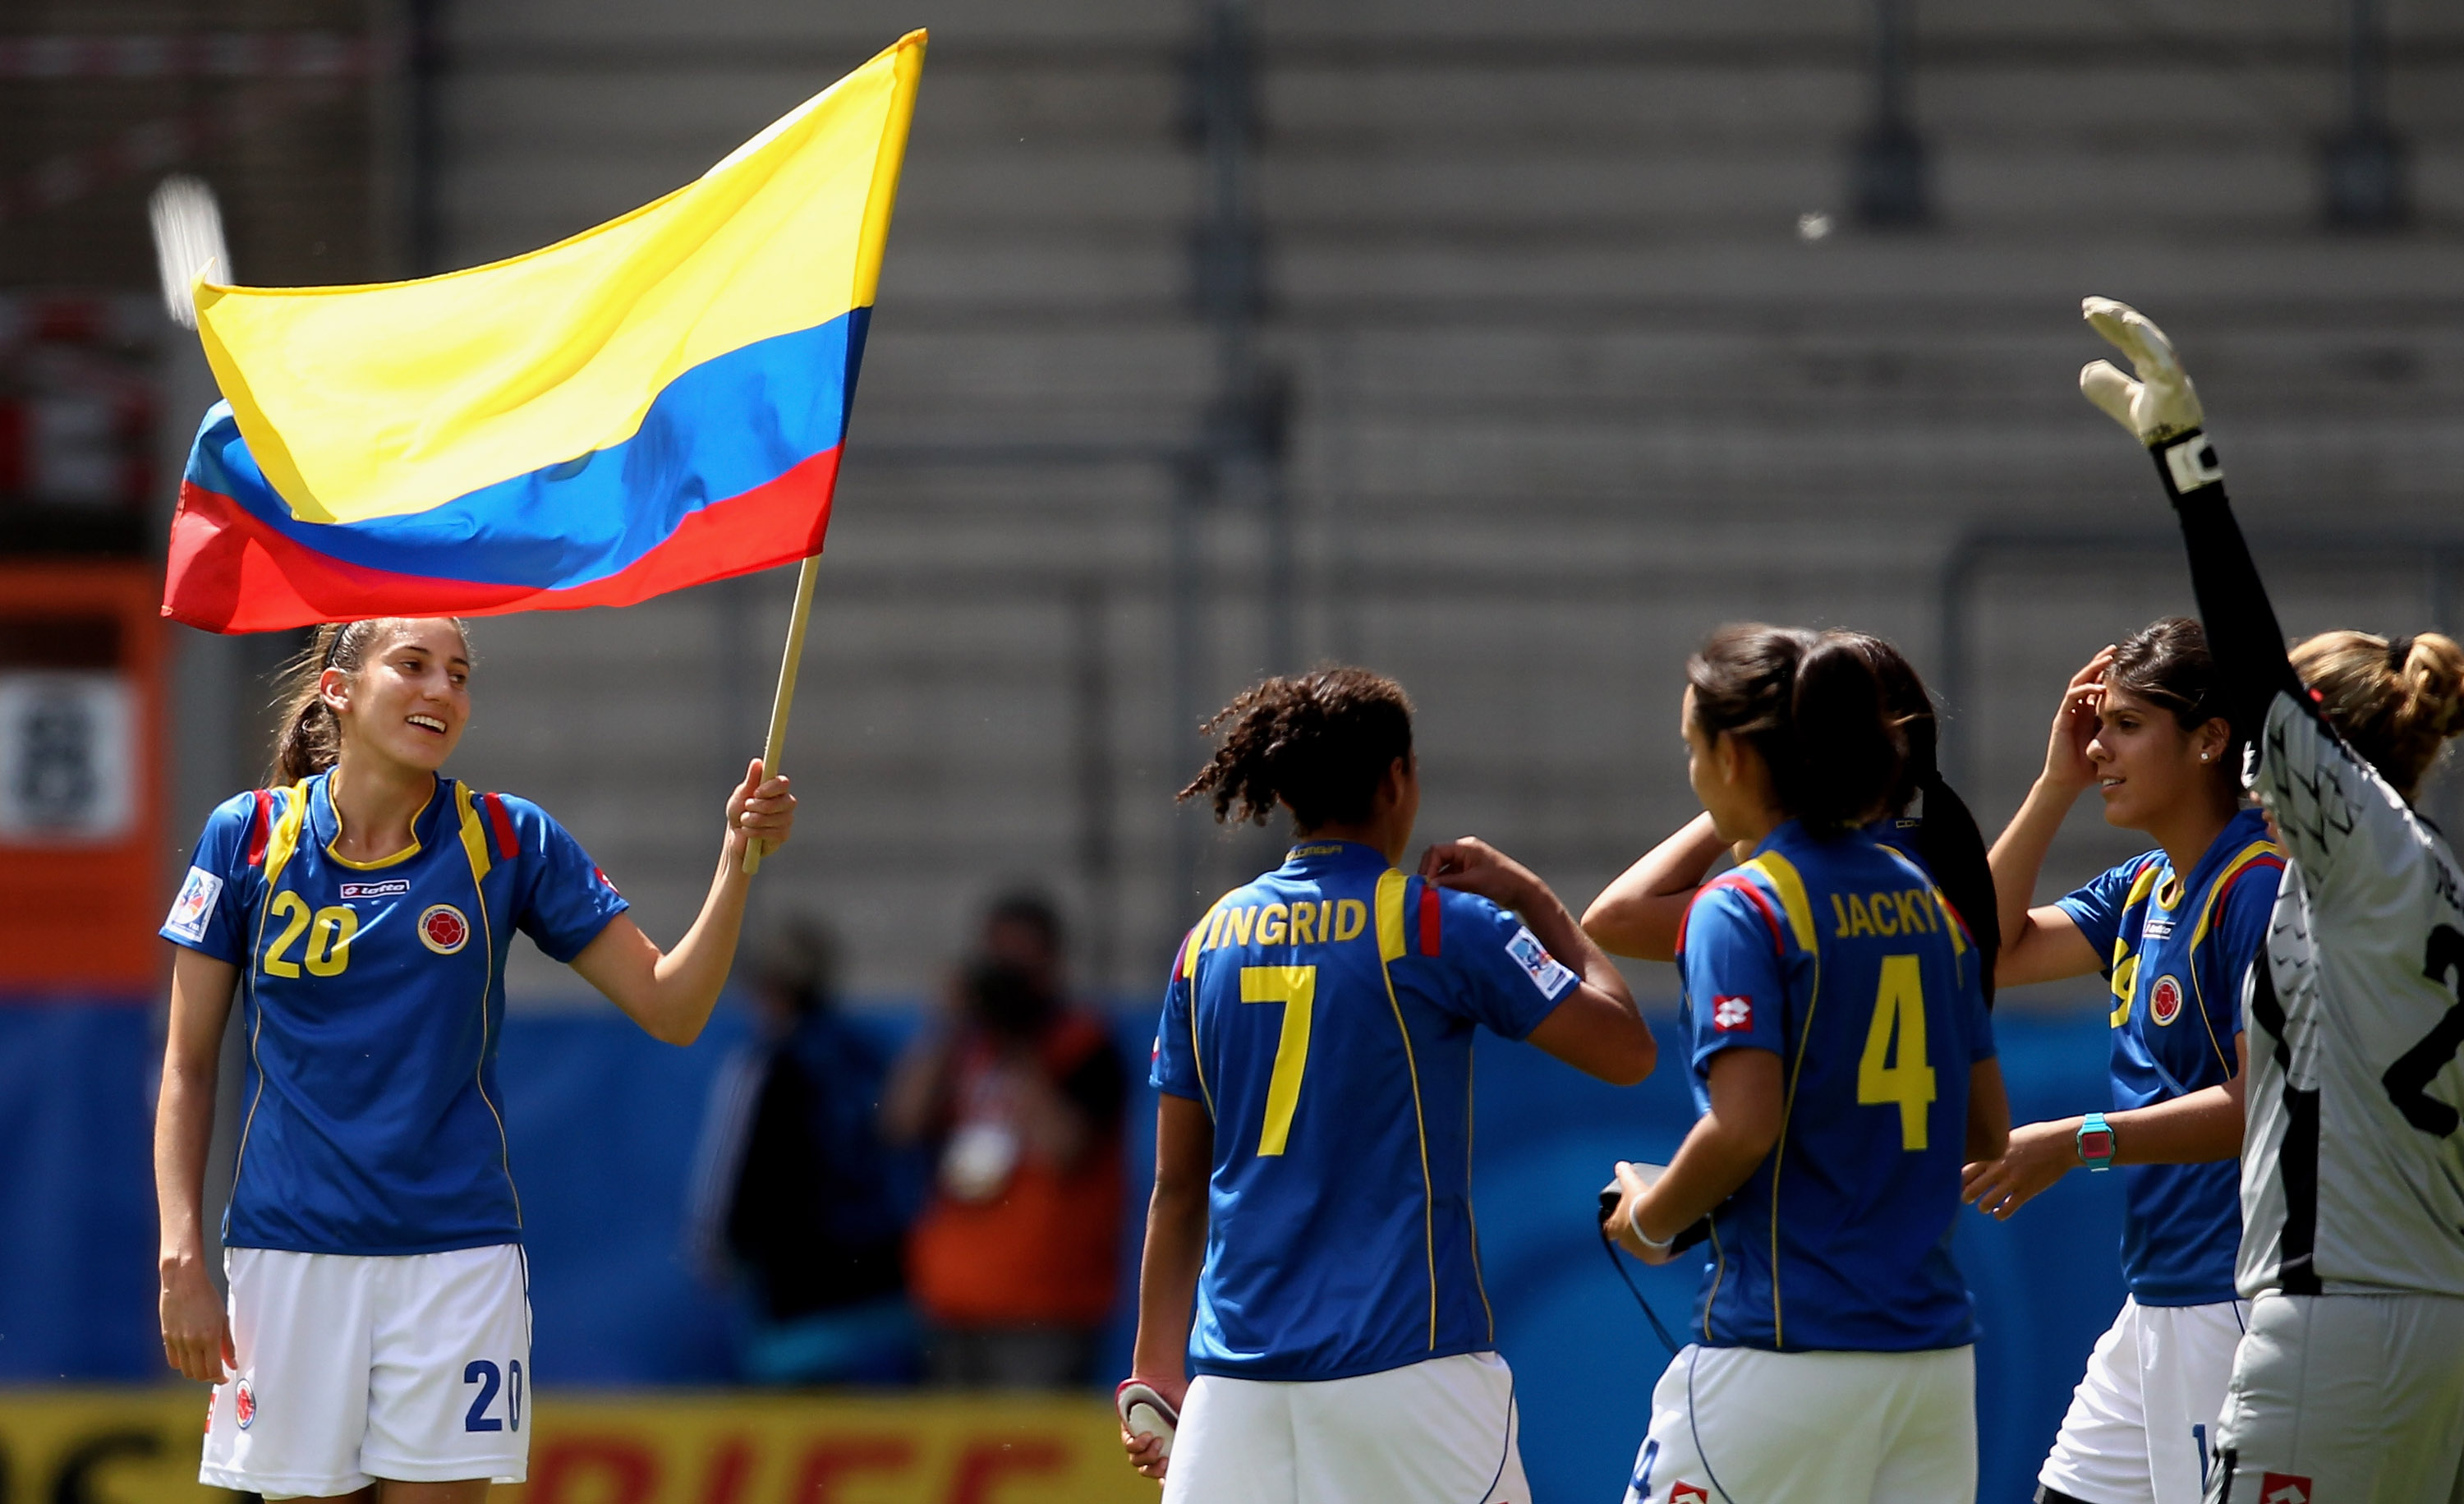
[(604, 1120)]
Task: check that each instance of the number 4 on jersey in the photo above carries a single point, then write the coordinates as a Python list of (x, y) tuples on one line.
[(1906, 1080)]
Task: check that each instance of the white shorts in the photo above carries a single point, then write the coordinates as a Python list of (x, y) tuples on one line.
[(2142, 1422), (1741, 1425), (1443, 1431), (2346, 1399), (354, 1368)]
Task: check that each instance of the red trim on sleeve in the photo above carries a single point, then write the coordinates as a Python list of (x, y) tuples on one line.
[(1744, 885), (507, 845), (261, 828), (1428, 918)]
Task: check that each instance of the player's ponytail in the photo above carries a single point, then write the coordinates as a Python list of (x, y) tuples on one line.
[(1319, 742), (1945, 838), (2396, 702), (1812, 706), (307, 738)]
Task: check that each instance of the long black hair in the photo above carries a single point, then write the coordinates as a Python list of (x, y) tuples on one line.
[(1946, 839)]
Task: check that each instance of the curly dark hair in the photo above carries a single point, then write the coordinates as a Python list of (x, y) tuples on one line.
[(1319, 742)]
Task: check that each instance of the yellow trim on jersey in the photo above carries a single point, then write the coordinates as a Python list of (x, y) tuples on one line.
[(2125, 961), (1784, 879), (475, 839), (475, 846), (403, 855), (2242, 858), (1391, 887), (1471, 1217), (281, 840)]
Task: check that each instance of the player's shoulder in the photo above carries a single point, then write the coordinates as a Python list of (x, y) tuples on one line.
[(238, 825), (1744, 902)]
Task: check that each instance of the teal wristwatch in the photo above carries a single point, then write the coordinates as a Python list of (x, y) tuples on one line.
[(2095, 1142)]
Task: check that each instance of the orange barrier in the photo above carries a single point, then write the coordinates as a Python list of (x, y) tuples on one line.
[(140, 1446)]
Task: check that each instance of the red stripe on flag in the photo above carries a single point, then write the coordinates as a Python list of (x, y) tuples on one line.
[(261, 828), (1428, 918), (229, 572)]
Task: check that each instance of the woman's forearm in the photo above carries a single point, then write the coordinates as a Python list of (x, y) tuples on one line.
[(2018, 857), (1175, 1249), (2188, 1130), (184, 1126), (1638, 914)]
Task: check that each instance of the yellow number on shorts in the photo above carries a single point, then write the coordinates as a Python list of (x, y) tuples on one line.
[(1295, 988), (329, 940), (1909, 1080), (329, 936), (289, 906)]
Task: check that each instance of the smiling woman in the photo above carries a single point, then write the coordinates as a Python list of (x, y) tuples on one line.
[(360, 910), (2173, 930)]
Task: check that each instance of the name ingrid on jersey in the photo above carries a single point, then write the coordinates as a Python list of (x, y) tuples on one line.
[(1299, 923), (1909, 911)]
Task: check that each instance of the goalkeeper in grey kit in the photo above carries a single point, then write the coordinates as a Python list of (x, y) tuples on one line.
[(2347, 1386)]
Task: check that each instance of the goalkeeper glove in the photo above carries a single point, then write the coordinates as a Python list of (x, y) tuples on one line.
[(2159, 405)]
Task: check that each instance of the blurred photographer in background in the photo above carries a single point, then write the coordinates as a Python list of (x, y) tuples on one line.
[(1019, 1094)]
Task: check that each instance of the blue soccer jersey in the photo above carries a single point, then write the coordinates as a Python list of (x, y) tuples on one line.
[(1842, 957), (1324, 1015), (2176, 953), (373, 995)]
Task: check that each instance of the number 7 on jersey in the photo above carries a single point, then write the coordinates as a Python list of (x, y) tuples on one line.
[(1295, 988)]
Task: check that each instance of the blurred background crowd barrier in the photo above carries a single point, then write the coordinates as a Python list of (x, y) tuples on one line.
[(1506, 348)]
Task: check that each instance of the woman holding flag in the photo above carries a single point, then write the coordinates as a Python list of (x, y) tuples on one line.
[(360, 911)]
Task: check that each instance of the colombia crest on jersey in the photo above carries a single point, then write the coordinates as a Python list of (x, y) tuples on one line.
[(2176, 950), (1324, 1014), (372, 996)]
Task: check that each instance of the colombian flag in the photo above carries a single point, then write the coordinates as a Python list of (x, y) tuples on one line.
[(657, 402)]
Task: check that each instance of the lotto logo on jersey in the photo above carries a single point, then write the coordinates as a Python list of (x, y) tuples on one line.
[(443, 929), (194, 906), (1680, 1492), (2164, 1000), (244, 1404), (391, 888), (2284, 1488), (1732, 1015)]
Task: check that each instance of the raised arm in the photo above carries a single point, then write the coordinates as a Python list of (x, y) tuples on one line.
[(197, 1334), (671, 993), (2041, 943), (2162, 410), (1639, 914), (1595, 1028)]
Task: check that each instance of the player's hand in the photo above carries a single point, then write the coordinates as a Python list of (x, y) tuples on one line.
[(2160, 404), (1474, 866), (2039, 1154), (2076, 723), (196, 1329), (1632, 1188), (760, 809), (1146, 1452)]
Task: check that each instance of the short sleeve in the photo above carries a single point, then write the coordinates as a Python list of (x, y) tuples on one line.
[(2241, 935), (1735, 979), (1175, 1063), (566, 901), (1499, 974), (210, 915), (2095, 908)]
